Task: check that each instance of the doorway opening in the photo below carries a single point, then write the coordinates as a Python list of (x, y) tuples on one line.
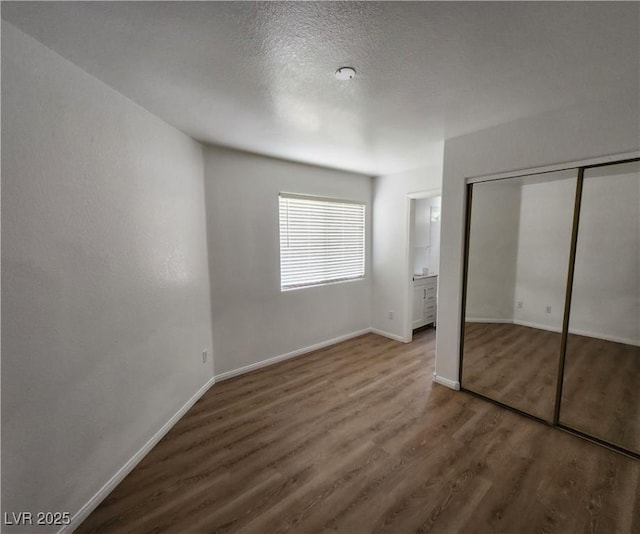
[(423, 261)]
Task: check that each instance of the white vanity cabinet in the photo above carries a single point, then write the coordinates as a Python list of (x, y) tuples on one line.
[(425, 290)]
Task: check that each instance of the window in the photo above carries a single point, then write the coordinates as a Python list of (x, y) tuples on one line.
[(321, 241)]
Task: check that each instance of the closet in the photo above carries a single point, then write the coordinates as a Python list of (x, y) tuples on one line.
[(551, 299)]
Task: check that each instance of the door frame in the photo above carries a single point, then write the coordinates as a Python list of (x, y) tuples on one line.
[(407, 330)]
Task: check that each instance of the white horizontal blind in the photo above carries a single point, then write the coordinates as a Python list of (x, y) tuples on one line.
[(321, 241)]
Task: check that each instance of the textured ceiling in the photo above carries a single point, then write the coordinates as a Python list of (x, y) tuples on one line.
[(259, 76)]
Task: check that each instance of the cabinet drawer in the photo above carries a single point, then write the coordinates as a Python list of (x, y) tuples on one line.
[(428, 281), (429, 308), (431, 290)]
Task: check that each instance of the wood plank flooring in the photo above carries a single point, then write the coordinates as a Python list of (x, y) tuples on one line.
[(513, 364), (601, 394), (517, 365), (356, 438)]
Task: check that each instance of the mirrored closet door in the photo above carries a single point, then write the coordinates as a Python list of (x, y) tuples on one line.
[(601, 387), (551, 300), (519, 235)]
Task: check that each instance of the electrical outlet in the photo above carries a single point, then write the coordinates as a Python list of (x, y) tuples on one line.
[(519, 304), (391, 315), (204, 356), (548, 310)]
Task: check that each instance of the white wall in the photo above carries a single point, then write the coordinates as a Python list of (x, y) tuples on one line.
[(493, 251), (544, 242), (570, 134), (390, 239), (606, 289), (104, 275), (252, 319), (606, 297), (422, 235), (426, 241), (434, 229)]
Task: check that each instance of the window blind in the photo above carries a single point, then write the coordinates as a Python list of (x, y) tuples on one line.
[(321, 241)]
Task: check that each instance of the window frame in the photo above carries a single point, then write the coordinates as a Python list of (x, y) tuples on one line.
[(334, 200)]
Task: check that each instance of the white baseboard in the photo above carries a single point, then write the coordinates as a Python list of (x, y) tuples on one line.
[(488, 320), (453, 384), (577, 332), (538, 326), (557, 329), (615, 339), (102, 493), (289, 355), (387, 334)]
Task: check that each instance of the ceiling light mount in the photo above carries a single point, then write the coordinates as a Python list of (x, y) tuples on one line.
[(345, 73)]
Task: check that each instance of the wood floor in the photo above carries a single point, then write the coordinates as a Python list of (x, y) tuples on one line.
[(601, 394), (513, 364), (518, 365), (356, 438)]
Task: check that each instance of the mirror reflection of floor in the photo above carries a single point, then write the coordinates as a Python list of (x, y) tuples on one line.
[(517, 365)]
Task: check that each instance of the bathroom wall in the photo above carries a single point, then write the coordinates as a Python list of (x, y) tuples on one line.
[(426, 253)]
